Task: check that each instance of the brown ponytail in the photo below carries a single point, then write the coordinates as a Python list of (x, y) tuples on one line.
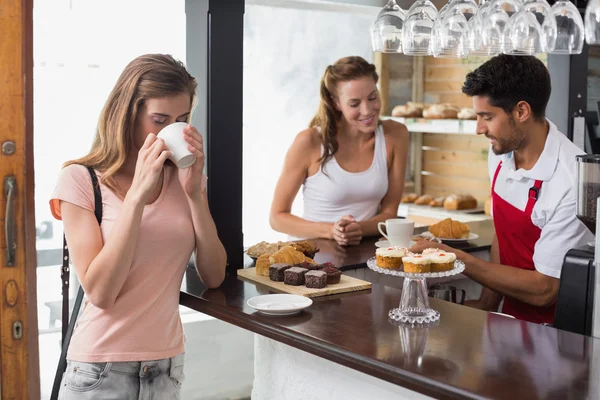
[(327, 117)]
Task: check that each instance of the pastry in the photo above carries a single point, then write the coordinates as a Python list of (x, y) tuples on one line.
[(315, 279), (437, 202), (466, 113), (334, 275), (441, 261), (294, 276), (307, 247), (390, 257), (410, 198), (441, 111), (262, 248), (460, 202), (450, 229), (276, 271), (262, 265), (289, 255), (416, 264), (424, 200)]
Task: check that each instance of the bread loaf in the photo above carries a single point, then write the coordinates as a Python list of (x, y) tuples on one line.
[(424, 200), (460, 202), (441, 111), (407, 111), (409, 198), (467, 113), (437, 202)]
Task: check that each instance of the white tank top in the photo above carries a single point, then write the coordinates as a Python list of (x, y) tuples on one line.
[(331, 195)]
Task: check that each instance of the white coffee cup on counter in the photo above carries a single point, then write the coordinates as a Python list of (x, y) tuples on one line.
[(398, 231), (175, 141)]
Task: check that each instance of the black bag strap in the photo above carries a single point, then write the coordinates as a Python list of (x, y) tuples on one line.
[(69, 325)]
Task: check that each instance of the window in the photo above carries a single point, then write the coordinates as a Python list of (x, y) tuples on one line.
[(286, 51)]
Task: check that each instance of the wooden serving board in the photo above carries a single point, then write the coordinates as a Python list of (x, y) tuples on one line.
[(347, 284)]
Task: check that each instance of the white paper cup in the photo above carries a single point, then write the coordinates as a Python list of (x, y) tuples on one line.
[(399, 231), (175, 141)]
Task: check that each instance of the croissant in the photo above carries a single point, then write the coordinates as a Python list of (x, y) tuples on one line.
[(450, 229), (262, 265), (288, 255)]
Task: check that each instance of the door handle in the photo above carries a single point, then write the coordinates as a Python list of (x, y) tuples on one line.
[(10, 191)]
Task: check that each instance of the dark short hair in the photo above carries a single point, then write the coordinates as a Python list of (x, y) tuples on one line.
[(507, 80)]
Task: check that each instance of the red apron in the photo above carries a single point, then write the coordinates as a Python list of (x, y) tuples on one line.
[(517, 236)]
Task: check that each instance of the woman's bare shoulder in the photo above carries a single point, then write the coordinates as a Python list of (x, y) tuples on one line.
[(307, 140), (395, 131)]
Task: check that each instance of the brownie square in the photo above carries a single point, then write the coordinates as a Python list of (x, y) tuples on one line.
[(333, 275), (315, 279), (294, 276), (276, 271), (326, 264)]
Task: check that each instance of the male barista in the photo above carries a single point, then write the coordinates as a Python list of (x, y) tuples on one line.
[(532, 170)]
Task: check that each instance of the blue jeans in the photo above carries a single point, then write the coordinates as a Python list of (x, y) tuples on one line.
[(146, 380)]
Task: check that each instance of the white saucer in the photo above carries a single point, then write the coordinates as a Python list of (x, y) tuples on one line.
[(386, 243), (472, 236), (279, 304)]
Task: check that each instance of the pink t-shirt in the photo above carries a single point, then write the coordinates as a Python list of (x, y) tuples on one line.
[(144, 323)]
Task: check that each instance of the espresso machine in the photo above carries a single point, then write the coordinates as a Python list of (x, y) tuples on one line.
[(578, 302)]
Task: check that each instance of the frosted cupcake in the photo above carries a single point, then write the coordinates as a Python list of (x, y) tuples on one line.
[(416, 264), (442, 261), (432, 250), (390, 257)]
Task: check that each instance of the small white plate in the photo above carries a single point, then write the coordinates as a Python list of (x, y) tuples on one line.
[(386, 243), (279, 304), (472, 236)]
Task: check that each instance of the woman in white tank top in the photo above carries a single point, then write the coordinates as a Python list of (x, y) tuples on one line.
[(352, 165)]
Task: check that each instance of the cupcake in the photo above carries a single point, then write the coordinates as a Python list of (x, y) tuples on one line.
[(390, 257), (432, 250), (442, 261), (416, 264)]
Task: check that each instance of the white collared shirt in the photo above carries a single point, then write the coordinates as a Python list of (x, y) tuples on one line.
[(555, 210)]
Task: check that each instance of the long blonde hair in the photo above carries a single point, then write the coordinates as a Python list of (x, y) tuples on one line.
[(146, 77), (327, 116)]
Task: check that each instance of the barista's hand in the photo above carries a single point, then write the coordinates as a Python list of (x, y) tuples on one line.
[(423, 244)]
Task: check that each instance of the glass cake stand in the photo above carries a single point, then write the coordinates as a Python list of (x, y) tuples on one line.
[(414, 303)]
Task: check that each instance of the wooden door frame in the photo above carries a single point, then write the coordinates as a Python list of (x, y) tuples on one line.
[(19, 358)]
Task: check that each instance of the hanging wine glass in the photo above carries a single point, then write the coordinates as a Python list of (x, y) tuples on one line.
[(569, 28), (386, 33), (592, 22), (542, 10), (475, 27), (418, 28), (522, 35), (495, 21), (454, 29)]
